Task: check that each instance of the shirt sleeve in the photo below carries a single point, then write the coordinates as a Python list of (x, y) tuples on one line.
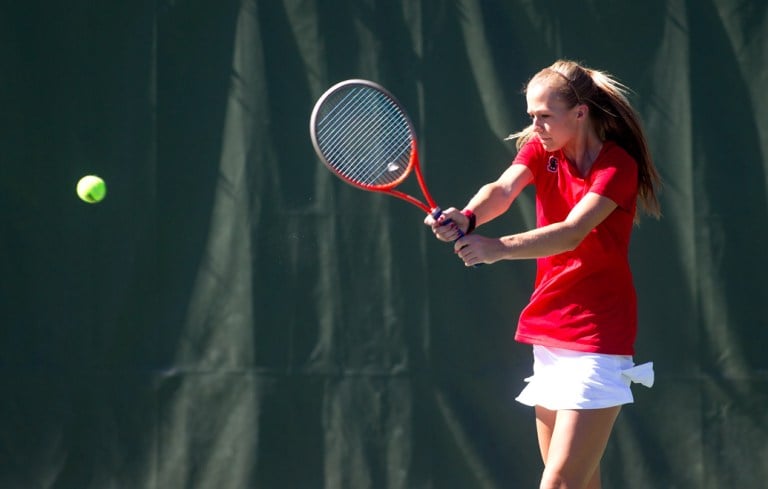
[(616, 178), (532, 154)]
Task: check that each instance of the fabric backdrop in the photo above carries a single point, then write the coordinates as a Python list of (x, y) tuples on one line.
[(233, 316)]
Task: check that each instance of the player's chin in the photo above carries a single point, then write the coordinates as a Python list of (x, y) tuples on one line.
[(548, 144)]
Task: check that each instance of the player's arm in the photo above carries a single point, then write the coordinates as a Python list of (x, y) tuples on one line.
[(495, 198), (548, 240), (492, 200)]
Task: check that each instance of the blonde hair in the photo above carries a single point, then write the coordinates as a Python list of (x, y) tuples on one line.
[(611, 115)]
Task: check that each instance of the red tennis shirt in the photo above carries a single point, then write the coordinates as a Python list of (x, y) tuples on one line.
[(583, 299)]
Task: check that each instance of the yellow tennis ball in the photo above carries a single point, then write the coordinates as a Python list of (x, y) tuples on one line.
[(91, 189)]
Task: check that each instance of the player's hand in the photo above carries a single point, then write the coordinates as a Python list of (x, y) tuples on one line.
[(474, 249), (446, 227)]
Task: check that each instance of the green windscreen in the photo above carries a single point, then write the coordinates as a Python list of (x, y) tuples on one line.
[(234, 316)]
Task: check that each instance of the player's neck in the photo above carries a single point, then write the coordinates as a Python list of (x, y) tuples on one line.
[(583, 153)]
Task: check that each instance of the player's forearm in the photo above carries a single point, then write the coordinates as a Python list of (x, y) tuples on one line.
[(494, 199), (490, 202), (541, 242)]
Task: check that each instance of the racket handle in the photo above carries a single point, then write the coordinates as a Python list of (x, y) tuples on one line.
[(436, 213)]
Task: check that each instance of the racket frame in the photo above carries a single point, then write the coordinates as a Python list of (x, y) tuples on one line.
[(413, 164)]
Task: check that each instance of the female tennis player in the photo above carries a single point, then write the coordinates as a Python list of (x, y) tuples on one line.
[(586, 155)]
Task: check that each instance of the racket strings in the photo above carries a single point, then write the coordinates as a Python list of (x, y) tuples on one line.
[(368, 148), (365, 137), (349, 132)]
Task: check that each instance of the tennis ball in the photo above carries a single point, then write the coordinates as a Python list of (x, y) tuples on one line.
[(91, 189)]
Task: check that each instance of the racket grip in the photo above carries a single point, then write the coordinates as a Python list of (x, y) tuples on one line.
[(436, 213)]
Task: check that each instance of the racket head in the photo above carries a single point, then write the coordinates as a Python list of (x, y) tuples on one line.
[(363, 135)]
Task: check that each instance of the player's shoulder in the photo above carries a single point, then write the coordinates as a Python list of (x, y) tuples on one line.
[(533, 146), (614, 160), (531, 154), (615, 155)]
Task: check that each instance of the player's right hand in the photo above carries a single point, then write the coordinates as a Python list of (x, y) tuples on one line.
[(446, 227)]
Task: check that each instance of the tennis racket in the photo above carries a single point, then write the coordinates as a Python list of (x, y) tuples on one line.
[(365, 137)]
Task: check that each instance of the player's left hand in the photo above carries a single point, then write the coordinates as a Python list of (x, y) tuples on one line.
[(474, 249)]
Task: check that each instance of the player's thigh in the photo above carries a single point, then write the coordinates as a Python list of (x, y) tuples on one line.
[(578, 441), (545, 425)]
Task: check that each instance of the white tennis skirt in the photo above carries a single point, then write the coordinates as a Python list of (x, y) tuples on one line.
[(568, 379)]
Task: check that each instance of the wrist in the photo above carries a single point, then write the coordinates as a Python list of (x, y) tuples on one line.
[(471, 219)]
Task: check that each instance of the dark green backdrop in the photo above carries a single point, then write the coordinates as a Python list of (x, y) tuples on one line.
[(232, 316)]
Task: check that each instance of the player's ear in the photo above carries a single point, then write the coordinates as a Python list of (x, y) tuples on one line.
[(582, 110)]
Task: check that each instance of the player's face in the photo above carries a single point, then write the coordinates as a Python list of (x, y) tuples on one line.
[(553, 122)]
